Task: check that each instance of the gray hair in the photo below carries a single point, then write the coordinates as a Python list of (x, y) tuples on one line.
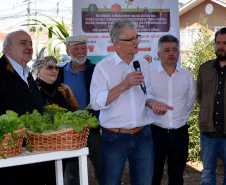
[(39, 64), (119, 26), (167, 38), (8, 40)]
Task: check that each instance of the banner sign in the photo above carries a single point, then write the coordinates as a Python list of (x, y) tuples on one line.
[(154, 18)]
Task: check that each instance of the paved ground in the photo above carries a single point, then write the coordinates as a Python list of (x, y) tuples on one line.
[(192, 175)]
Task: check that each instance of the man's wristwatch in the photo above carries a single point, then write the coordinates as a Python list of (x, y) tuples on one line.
[(150, 101)]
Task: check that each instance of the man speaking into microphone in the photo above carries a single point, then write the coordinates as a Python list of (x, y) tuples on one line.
[(136, 66), (116, 91)]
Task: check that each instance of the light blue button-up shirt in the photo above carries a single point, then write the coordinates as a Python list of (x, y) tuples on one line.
[(77, 84)]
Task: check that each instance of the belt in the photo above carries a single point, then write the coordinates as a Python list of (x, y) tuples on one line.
[(127, 131), (170, 130)]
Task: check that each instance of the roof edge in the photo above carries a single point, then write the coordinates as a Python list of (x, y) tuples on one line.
[(219, 2), (189, 5)]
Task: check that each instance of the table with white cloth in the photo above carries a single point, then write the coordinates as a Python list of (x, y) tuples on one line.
[(27, 157)]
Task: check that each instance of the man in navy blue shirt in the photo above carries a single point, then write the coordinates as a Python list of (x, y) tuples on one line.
[(77, 74)]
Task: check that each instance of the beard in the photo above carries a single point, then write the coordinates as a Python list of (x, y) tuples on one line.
[(221, 56), (78, 62)]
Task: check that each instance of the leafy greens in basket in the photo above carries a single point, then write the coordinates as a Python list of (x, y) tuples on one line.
[(56, 118), (9, 123)]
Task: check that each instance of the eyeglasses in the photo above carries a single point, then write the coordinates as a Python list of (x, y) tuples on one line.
[(138, 37), (51, 67)]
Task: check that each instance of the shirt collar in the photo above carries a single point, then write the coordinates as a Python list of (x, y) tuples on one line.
[(216, 64), (160, 68), (69, 69), (18, 68), (178, 68), (118, 60)]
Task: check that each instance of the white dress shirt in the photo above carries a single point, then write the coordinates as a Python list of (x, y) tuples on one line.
[(177, 91), (23, 72), (128, 109)]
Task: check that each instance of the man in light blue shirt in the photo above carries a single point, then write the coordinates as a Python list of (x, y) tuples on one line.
[(78, 88), (77, 75)]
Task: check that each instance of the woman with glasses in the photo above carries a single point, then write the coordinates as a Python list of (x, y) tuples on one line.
[(52, 91), (46, 70)]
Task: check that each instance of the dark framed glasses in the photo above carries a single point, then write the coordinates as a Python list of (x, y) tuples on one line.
[(51, 67), (138, 37)]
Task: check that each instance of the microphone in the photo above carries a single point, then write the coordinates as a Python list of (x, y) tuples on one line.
[(136, 66)]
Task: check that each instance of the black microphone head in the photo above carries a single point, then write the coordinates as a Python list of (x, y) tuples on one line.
[(136, 65)]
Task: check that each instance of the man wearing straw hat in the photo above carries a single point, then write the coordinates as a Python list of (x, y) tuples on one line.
[(77, 74)]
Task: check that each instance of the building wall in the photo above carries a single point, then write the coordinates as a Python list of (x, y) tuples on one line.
[(217, 18)]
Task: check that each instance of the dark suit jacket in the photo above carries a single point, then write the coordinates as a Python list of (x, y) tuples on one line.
[(15, 94)]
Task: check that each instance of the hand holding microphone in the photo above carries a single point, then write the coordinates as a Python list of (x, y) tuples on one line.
[(137, 67)]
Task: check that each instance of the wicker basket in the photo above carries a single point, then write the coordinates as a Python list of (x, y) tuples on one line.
[(65, 139), (18, 143)]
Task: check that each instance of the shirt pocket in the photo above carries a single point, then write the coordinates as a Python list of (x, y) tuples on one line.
[(185, 88), (207, 84)]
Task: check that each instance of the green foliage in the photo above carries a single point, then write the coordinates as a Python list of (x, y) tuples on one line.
[(57, 31), (202, 51), (3, 156), (9, 123), (56, 118), (33, 29), (30, 148), (194, 135)]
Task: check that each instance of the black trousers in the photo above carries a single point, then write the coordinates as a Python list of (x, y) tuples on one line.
[(173, 145), (72, 166)]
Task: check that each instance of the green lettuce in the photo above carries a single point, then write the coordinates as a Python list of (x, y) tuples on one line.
[(58, 120), (9, 122)]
